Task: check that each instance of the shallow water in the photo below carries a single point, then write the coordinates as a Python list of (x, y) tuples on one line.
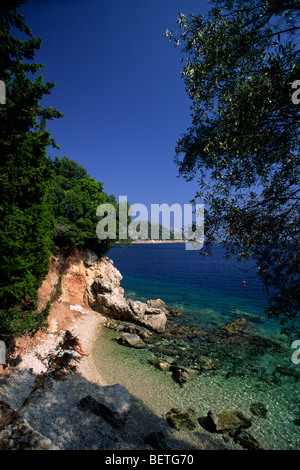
[(245, 378)]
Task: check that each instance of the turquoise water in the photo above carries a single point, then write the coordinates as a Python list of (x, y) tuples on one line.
[(210, 293), (205, 289)]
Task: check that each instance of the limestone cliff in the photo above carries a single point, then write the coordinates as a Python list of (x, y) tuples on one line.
[(78, 281)]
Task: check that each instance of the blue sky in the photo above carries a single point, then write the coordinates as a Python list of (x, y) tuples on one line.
[(120, 89)]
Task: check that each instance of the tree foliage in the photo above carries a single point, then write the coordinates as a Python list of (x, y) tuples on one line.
[(240, 61), (26, 222), (76, 196)]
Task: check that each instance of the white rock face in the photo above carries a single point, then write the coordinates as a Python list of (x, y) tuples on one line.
[(104, 294)]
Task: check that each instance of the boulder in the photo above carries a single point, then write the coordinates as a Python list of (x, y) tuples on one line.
[(138, 308), (115, 305), (158, 303), (244, 439), (181, 419), (130, 328), (222, 420), (182, 374), (102, 285), (156, 321), (258, 409), (111, 402), (132, 340), (162, 364)]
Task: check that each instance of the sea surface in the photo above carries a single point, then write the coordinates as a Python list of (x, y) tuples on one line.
[(210, 292)]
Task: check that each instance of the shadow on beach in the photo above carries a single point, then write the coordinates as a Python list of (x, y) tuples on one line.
[(54, 411)]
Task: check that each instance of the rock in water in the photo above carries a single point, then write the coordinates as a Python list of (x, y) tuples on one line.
[(245, 440), (181, 419), (182, 374), (222, 420), (258, 409), (156, 321), (132, 340)]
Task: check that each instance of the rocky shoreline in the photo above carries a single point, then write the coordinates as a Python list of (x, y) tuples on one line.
[(82, 411)]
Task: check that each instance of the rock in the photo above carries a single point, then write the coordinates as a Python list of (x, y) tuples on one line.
[(244, 439), (132, 340), (17, 434), (156, 322), (115, 305), (236, 334), (102, 285), (161, 364), (181, 419), (6, 414), (182, 374), (222, 420), (138, 308), (111, 402), (208, 363), (250, 316), (175, 312), (184, 330), (236, 326), (89, 258), (258, 409), (131, 328), (158, 303)]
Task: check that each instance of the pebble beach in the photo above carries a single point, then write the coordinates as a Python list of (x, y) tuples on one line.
[(55, 414)]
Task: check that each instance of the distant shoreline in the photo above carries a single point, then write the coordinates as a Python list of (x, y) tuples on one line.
[(153, 242)]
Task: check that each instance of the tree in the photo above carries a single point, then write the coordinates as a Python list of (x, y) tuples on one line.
[(76, 196), (26, 220), (240, 62)]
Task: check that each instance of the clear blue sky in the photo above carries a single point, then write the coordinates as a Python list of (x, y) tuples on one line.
[(120, 90)]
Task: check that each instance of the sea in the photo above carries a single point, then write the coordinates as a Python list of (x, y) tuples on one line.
[(210, 292)]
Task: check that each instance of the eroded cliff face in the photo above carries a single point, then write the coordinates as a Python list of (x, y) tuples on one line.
[(78, 281)]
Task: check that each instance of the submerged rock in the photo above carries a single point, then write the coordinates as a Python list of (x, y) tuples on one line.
[(182, 374), (207, 363), (236, 326), (249, 316), (181, 419), (222, 420), (244, 439), (258, 409), (175, 312), (132, 340)]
